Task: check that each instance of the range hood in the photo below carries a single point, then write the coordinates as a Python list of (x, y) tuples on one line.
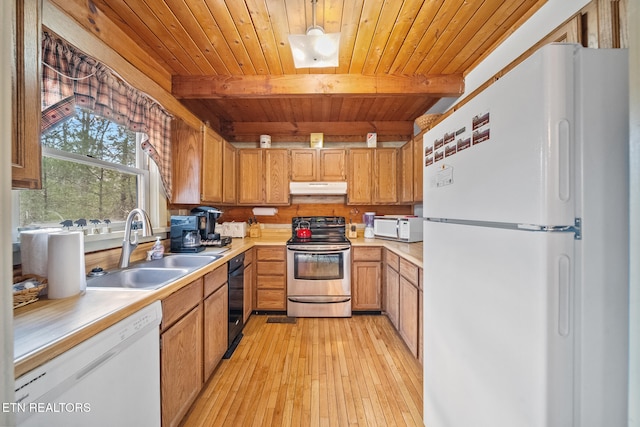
[(313, 188)]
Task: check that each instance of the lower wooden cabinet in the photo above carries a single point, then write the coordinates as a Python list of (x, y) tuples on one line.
[(403, 300), (181, 366), (193, 340), (271, 278), (366, 278), (392, 287), (409, 317), (216, 326)]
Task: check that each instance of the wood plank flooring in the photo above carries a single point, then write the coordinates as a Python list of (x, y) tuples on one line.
[(316, 372)]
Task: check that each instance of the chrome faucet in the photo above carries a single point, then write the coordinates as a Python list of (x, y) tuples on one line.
[(127, 245)]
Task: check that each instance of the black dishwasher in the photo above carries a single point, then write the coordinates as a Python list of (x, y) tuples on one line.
[(236, 301)]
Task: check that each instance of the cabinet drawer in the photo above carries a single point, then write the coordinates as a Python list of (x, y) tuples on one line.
[(409, 271), (270, 282), (180, 302), (270, 268), (367, 254), (270, 299), (270, 253), (392, 260), (214, 279)]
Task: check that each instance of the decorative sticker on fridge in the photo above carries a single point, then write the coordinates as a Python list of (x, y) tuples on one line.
[(481, 128), (453, 142)]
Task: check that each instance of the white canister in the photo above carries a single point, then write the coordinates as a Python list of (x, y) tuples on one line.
[(265, 141)]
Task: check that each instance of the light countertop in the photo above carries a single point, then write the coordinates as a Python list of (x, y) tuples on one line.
[(47, 328)]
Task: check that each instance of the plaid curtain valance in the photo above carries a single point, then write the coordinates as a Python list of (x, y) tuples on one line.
[(71, 78)]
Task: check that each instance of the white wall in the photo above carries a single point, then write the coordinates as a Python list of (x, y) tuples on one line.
[(6, 266)]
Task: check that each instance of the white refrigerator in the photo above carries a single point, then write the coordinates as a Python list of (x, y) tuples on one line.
[(526, 248)]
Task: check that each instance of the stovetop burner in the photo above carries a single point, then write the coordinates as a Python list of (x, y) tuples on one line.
[(324, 230)]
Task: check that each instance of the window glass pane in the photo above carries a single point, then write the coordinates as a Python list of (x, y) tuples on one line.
[(73, 190), (94, 136)]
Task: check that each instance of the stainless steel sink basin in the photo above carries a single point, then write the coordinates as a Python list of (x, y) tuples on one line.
[(153, 274), (190, 262), (137, 278)]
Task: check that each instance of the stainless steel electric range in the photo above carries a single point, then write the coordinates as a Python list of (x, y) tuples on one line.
[(319, 268)]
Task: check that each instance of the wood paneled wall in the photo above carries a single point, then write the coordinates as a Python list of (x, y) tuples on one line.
[(312, 206)]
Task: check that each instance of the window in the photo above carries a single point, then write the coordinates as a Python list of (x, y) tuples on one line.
[(91, 170)]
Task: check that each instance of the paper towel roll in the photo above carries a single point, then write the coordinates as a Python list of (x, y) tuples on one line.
[(66, 272), (34, 250)]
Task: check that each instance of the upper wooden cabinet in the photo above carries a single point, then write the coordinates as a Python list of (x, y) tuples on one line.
[(212, 166), (263, 176), (276, 169), (26, 155), (311, 164), (229, 170), (186, 149), (418, 158), (218, 169), (372, 176), (359, 180), (405, 168)]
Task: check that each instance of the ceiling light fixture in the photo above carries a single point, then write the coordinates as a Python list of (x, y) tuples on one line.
[(315, 49)]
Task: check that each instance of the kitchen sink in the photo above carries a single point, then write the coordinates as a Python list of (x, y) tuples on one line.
[(190, 262), (150, 275), (137, 278)]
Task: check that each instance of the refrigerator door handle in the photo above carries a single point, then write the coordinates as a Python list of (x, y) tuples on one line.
[(576, 229), (564, 296)]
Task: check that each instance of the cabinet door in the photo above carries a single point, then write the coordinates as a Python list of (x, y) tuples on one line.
[(212, 167), (250, 176), (366, 282), (409, 315), (186, 147), (216, 323), (26, 156), (229, 174), (418, 161), (386, 176), (332, 165), (405, 166), (304, 164), (392, 294), (276, 176), (360, 161), (181, 366)]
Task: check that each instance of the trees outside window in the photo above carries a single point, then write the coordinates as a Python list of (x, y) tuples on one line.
[(90, 170)]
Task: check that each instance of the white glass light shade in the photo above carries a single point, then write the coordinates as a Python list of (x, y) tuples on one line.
[(315, 51)]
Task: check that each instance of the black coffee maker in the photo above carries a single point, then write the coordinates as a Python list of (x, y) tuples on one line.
[(185, 235), (207, 217)]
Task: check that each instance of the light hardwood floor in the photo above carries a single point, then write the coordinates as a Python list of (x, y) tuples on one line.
[(317, 372)]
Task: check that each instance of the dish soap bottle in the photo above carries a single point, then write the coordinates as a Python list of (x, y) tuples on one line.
[(157, 251)]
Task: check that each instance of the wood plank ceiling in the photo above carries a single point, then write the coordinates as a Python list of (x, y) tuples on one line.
[(231, 63)]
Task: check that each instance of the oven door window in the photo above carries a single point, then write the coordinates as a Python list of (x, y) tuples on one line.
[(318, 266)]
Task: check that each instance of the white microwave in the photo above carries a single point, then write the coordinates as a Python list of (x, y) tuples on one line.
[(404, 229)]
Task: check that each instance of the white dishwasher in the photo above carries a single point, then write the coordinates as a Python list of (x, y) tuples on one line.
[(111, 379)]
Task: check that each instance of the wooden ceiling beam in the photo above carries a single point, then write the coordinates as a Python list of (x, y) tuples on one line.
[(305, 85)]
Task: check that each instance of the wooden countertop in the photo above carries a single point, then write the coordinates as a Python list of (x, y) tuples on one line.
[(47, 328)]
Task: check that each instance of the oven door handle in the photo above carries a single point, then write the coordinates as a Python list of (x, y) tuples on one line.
[(320, 300), (316, 249)]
